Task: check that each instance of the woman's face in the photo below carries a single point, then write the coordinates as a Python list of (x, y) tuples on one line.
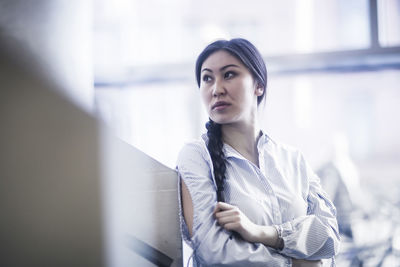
[(228, 89)]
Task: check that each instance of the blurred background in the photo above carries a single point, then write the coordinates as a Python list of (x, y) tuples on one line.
[(333, 91), (333, 65)]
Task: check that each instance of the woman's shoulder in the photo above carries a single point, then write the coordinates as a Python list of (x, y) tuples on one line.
[(193, 150), (193, 147), (194, 159)]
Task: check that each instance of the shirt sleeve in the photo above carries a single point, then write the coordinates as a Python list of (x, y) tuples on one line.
[(313, 236), (213, 245)]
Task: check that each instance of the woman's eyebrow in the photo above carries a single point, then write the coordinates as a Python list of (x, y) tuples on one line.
[(205, 69), (222, 68), (227, 66)]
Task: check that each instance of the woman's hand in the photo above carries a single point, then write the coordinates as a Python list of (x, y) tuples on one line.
[(232, 219), (306, 263)]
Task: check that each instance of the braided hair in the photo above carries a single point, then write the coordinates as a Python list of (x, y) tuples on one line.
[(248, 54), (214, 146)]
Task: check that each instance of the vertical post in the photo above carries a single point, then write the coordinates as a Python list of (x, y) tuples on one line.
[(373, 24)]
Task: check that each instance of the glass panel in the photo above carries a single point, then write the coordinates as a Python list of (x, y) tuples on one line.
[(389, 22), (157, 118), (135, 33), (305, 110)]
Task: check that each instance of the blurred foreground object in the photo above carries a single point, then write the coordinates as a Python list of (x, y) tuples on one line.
[(57, 33), (72, 194)]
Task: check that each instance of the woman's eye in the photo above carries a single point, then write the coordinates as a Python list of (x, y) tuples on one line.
[(206, 78), (229, 75)]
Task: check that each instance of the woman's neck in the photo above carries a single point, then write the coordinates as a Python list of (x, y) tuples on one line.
[(243, 138)]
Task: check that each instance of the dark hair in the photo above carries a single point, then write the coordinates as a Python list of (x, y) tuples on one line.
[(248, 54)]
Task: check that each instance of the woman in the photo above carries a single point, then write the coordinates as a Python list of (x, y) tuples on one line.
[(248, 200)]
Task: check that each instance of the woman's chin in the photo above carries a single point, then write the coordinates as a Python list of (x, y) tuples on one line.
[(221, 120)]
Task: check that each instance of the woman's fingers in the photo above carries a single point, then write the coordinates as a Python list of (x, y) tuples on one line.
[(228, 216), (228, 219), (226, 213), (232, 219), (223, 206), (232, 212), (231, 226)]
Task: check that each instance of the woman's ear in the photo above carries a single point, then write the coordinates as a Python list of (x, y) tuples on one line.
[(259, 90)]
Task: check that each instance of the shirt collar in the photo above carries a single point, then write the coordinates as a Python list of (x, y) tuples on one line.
[(231, 152)]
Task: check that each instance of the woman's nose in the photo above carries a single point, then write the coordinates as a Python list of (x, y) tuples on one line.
[(218, 89)]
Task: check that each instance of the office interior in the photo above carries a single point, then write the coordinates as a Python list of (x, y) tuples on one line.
[(128, 66)]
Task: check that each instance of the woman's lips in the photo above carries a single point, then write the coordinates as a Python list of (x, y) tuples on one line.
[(220, 105)]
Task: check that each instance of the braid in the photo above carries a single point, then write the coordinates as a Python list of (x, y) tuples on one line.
[(214, 146)]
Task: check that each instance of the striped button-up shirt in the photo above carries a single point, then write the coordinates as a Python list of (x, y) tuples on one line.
[(283, 191)]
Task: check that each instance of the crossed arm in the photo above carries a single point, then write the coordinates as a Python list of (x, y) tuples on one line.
[(232, 219)]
